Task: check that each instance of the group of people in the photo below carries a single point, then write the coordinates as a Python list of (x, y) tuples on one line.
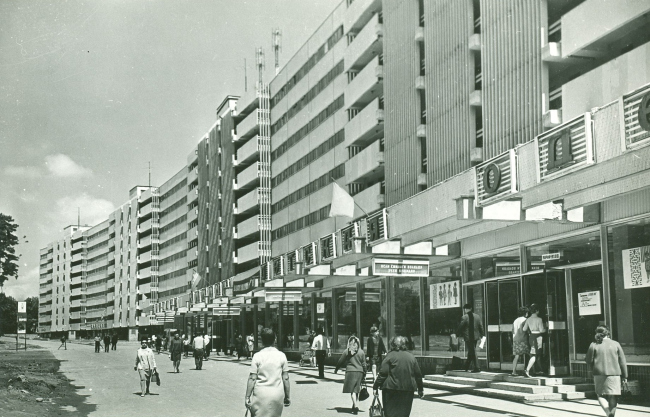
[(110, 342), (527, 338)]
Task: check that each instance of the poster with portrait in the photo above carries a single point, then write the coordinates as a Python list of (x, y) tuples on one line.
[(444, 295), (636, 267)]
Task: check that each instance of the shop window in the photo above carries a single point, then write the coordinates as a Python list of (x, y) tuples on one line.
[(629, 282), (346, 320), (587, 295), (286, 342), (565, 252), (373, 310), (324, 313), (406, 312), (304, 324), (443, 311), (497, 265)]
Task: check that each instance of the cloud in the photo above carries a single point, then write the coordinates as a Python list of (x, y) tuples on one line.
[(63, 166), (93, 210), (23, 172)]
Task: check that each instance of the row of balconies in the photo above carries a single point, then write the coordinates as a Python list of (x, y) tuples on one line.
[(252, 226), (366, 126), (250, 151), (249, 178), (250, 126), (366, 85), (367, 165), (366, 45)]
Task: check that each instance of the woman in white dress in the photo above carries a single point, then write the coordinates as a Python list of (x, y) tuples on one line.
[(268, 383)]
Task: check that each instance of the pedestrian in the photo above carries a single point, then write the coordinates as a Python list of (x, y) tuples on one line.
[(354, 360), (535, 326), (606, 361), (519, 339), (114, 341), (471, 329), (376, 351), (268, 389), (206, 349), (98, 342), (166, 341), (198, 344), (149, 342), (107, 342), (310, 341), (158, 343), (176, 351), (145, 364), (398, 377), (250, 342), (240, 346), (322, 348), (63, 343), (186, 345)]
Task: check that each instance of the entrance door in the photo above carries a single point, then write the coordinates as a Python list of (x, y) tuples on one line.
[(502, 305), (587, 302), (548, 292)]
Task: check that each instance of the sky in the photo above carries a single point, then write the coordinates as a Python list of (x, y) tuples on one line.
[(92, 91)]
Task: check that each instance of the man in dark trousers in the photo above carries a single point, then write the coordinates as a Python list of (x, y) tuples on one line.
[(107, 342), (114, 342), (63, 343), (471, 329), (321, 346)]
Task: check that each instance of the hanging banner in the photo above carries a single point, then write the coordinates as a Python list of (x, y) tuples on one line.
[(589, 303), (289, 296), (444, 295), (636, 267), (402, 268)]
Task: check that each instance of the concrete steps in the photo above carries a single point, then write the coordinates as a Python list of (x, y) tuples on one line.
[(513, 388)]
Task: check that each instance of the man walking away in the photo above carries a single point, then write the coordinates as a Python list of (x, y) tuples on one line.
[(471, 329), (114, 341), (186, 345), (98, 343), (321, 346), (198, 344), (158, 343), (176, 351), (107, 342), (63, 343), (206, 342)]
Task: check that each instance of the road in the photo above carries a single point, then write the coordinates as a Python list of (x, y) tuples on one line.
[(112, 388)]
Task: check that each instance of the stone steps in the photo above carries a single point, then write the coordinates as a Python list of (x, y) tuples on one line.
[(513, 388)]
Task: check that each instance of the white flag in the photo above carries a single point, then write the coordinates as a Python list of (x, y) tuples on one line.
[(342, 202), (195, 278)]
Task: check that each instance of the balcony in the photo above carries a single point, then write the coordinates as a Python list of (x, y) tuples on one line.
[(192, 254), (365, 46), (144, 258), (75, 292), (368, 199), (250, 100), (253, 226), (248, 253), (250, 202), (612, 25), (250, 126), (145, 226), (250, 151), (193, 234), (192, 195), (192, 175), (77, 257), (144, 273), (367, 85), (144, 210), (366, 166), (77, 269), (366, 126), (249, 178), (192, 215), (359, 13)]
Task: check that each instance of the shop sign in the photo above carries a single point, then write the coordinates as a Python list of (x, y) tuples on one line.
[(347, 237), (496, 179), (569, 145), (589, 303), (320, 308), (513, 268), (368, 297), (444, 295), (551, 256), (289, 296), (398, 267), (327, 247), (636, 267), (636, 118), (278, 266), (309, 254), (376, 227), (226, 311)]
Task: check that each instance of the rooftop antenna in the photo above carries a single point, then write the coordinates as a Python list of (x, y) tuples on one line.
[(245, 77), (277, 47), (259, 57), (149, 173), (78, 217)]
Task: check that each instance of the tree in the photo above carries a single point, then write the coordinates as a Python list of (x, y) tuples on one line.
[(8, 313), (8, 239), (32, 314)]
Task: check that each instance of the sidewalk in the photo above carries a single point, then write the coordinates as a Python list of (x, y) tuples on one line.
[(586, 407)]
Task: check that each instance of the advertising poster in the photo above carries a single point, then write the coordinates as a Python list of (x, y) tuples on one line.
[(444, 295), (636, 267), (589, 303)]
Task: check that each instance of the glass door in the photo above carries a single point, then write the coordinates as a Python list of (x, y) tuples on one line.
[(587, 306), (502, 306)]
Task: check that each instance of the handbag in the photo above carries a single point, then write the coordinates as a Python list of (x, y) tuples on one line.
[(363, 394), (155, 377), (376, 410)]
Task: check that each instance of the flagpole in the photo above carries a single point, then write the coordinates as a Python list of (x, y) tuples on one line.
[(355, 202)]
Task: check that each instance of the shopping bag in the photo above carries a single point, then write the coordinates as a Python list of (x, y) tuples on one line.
[(363, 394), (155, 377), (376, 410)]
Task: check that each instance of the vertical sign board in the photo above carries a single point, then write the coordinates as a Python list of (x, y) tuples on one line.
[(22, 322), (636, 267)]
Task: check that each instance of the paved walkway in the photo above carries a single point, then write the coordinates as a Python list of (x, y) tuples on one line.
[(111, 388)]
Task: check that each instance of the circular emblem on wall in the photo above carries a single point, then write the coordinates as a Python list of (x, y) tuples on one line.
[(643, 113), (491, 179)]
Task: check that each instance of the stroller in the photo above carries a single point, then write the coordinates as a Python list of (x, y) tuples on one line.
[(306, 358)]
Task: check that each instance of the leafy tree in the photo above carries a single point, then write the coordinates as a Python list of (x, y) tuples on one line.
[(8, 239), (32, 314), (8, 312)]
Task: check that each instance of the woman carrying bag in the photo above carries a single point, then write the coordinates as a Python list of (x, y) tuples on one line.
[(606, 360), (354, 360)]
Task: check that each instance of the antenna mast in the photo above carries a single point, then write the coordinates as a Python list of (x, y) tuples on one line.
[(259, 58), (277, 47), (149, 173), (245, 77)]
